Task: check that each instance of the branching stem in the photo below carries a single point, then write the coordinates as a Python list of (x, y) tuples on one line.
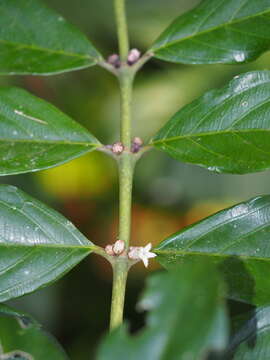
[(126, 163)]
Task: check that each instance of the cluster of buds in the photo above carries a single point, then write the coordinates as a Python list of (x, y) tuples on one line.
[(116, 249), (117, 148), (134, 253), (133, 56)]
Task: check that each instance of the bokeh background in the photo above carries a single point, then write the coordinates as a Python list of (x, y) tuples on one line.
[(167, 195)]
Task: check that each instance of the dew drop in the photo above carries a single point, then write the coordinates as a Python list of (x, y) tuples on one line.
[(239, 57), (14, 132), (244, 103), (60, 18)]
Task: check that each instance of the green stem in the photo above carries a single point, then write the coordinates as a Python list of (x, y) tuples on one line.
[(126, 163), (120, 271), (126, 167), (122, 29)]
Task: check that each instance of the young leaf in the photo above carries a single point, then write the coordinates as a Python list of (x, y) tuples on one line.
[(187, 318), (22, 338), (237, 239), (35, 135), (36, 40), (217, 31), (226, 130), (37, 244), (253, 339)]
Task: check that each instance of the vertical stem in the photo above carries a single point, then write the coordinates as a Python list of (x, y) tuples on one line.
[(126, 83), (125, 197), (126, 165), (122, 29), (120, 272)]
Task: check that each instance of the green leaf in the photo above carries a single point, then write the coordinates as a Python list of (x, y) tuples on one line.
[(237, 239), (36, 40), (252, 341), (217, 31), (226, 130), (187, 318), (35, 135), (22, 338), (38, 245)]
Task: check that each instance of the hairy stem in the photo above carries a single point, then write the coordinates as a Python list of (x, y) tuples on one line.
[(126, 165), (122, 30)]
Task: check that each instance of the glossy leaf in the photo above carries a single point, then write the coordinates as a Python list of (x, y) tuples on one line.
[(186, 318), (22, 338), (226, 130), (252, 341), (38, 245), (37, 40), (35, 135), (237, 239), (217, 31)]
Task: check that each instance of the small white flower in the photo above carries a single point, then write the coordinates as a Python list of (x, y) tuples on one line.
[(142, 253)]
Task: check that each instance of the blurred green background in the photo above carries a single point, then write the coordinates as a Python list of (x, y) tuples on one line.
[(167, 195)]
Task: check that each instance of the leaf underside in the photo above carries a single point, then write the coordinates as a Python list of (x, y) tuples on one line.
[(175, 304), (38, 245), (217, 31), (37, 40), (253, 339), (35, 135), (237, 239), (22, 338), (226, 130)]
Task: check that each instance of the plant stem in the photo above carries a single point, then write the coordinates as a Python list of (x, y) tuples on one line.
[(126, 163), (122, 29), (120, 271)]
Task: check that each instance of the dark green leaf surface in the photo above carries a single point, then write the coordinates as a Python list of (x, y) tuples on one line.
[(37, 244), (186, 319), (252, 341), (217, 31), (238, 240), (21, 338), (35, 135), (36, 40), (226, 130)]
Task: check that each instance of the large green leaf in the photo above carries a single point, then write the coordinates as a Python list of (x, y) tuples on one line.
[(237, 239), (35, 135), (217, 31), (21, 338), (252, 341), (37, 244), (187, 318), (36, 40), (226, 130)]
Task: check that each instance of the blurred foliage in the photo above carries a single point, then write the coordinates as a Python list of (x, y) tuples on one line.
[(167, 195)]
